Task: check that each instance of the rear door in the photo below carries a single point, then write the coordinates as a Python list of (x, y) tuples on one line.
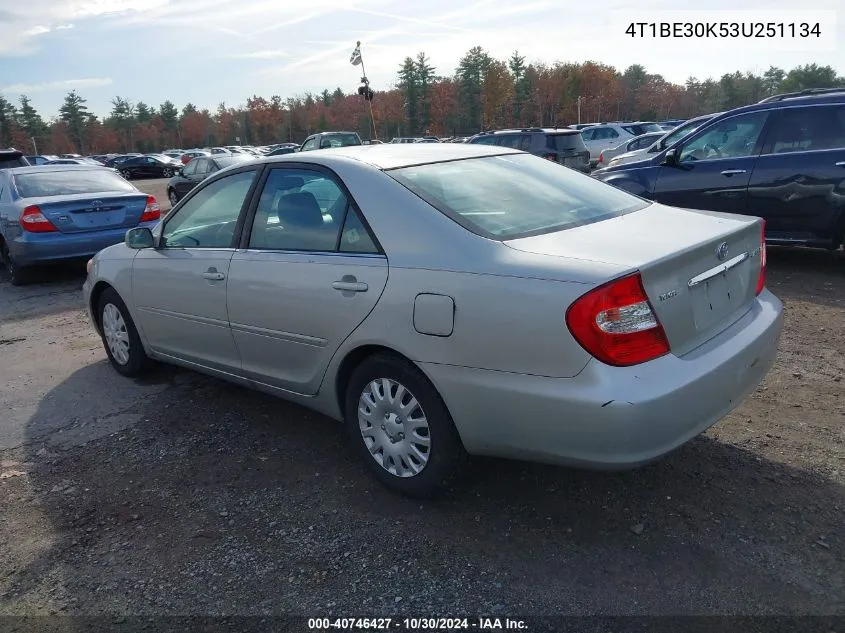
[(309, 272), (179, 288), (798, 184), (714, 166)]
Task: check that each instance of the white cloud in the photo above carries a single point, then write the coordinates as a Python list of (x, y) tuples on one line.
[(36, 18), (58, 86), (268, 54)]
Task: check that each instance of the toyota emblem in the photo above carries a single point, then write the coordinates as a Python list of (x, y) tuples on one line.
[(722, 250)]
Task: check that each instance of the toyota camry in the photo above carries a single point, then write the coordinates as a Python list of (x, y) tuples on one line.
[(445, 300)]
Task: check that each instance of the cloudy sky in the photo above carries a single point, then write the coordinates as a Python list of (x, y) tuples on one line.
[(208, 51)]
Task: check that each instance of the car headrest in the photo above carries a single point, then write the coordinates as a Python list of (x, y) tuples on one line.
[(300, 209)]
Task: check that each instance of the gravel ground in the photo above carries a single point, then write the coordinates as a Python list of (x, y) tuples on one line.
[(182, 494)]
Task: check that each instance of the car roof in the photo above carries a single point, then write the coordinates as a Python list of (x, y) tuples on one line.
[(394, 155), (544, 130), (52, 169)]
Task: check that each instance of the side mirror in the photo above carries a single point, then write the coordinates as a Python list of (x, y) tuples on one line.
[(139, 237), (672, 158)]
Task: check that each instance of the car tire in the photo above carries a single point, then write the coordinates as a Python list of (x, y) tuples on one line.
[(18, 276), (174, 199), (424, 453), (120, 336), (167, 173), (126, 174)]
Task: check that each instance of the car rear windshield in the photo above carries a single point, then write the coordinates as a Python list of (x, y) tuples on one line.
[(506, 197), (340, 140), (64, 183), (225, 161), (563, 142), (638, 129)]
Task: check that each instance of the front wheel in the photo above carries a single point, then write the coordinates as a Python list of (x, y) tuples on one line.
[(401, 428), (174, 199), (167, 173), (120, 336)]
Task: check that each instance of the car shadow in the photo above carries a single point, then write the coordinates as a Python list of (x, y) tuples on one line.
[(213, 499), (50, 290), (807, 274)]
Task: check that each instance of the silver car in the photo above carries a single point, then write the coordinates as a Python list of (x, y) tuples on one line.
[(450, 299)]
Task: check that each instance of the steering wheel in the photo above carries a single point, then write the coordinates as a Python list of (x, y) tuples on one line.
[(714, 148)]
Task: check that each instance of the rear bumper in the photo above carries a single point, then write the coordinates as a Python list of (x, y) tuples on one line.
[(29, 249), (611, 417)]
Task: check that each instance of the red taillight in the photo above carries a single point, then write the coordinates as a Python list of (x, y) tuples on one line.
[(601, 157), (761, 278), (152, 211), (616, 324), (33, 220), (186, 159)]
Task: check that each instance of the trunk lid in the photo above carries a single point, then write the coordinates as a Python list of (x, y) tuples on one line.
[(92, 212), (699, 268)]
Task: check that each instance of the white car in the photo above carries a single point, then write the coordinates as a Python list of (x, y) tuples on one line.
[(607, 135), (662, 143), (644, 141)]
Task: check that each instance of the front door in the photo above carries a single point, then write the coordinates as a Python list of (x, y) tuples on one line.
[(308, 275), (714, 166), (180, 287)]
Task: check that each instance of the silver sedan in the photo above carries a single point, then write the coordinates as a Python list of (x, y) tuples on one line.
[(446, 299)]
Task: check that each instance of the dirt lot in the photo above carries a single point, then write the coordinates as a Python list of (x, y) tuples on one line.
[(183, 494)]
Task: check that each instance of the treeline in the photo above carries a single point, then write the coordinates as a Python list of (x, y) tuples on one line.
[(482, 93)]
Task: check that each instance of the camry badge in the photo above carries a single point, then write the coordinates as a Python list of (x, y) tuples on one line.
[(722, 251)]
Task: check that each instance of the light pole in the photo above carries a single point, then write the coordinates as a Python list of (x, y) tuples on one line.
[(356, 59)]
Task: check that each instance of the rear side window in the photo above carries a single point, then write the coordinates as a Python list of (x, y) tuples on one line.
[(484, 140), (7, 162), (642, 128), (563, 142), (63, 183), (806, 129), (509, 140), (506, 197)]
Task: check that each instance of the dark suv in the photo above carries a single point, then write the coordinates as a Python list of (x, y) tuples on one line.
[(564, 146), (782, 159), (12, 158)]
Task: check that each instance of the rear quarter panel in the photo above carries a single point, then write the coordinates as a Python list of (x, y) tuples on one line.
[(510, 324)]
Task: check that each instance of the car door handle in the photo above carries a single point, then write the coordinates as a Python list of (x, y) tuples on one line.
[(733, 172), (213, 275), (841, 163), (350, 286)]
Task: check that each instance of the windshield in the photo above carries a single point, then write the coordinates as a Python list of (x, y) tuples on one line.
[(565, 141), (638, 129), (64, 183), (505, 197), (339, 140), (225, 161), (681, 131)]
